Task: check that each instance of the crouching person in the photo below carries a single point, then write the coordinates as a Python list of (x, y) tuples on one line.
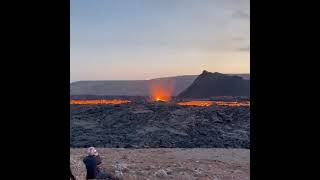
[(92, 162)]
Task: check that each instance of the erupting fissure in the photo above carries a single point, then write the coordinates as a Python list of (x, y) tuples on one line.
[(210, 103), (160, 91), (101, 101), (160, 95), (163, 97)]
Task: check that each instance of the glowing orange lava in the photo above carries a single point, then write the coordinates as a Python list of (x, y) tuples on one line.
[(101, 101), (210, 103), (233, 103), (161, 91), (196, 103)]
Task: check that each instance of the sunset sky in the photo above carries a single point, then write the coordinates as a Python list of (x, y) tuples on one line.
[(144, 39)]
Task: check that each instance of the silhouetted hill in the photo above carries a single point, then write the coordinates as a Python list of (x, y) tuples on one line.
[(209, 84)]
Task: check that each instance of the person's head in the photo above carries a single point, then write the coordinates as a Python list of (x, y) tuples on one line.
[(92, 151)]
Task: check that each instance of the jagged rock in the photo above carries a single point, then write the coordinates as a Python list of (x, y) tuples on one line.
[(169, 126), (119, 174), (169, 171), (180, 112), (78, 168), (142, 111), (121, 166), (161, 173), (216, 119)]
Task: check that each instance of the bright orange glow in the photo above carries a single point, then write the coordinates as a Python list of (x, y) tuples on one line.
[(210, 103), (196, 103), (160, 91), (102, 101), (233, 103)]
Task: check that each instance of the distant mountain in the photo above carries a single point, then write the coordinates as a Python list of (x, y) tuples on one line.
[(209, 84), (244, 76), (128, 88), (131, 87)]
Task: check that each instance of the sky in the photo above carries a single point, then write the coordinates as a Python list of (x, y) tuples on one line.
[(145, 39)]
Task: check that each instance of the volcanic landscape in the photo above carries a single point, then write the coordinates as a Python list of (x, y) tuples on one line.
[(138, 122), (161, 120)]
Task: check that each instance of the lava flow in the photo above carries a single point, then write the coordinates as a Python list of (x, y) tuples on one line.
[(196, 103), (232, 103), (101, 101), (161, 91), (210, 103)]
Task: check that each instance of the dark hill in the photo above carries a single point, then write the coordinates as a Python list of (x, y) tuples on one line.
[(209, 84)]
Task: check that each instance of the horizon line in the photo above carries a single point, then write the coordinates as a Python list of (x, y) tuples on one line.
[(148, 78)]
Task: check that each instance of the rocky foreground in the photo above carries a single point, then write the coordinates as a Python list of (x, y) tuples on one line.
[(174, 163), (155, 124)]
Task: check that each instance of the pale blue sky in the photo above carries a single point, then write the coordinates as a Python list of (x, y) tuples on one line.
[(143, 39)]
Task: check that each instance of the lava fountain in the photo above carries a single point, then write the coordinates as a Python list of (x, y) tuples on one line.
[(161, 90), (101, 101)]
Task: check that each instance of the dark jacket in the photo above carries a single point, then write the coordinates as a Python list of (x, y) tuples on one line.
[(92, 163)]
